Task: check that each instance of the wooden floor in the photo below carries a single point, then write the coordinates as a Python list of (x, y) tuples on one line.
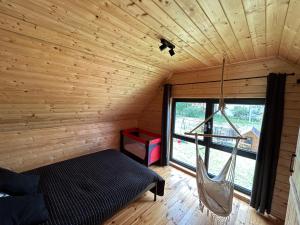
[(180, 206)]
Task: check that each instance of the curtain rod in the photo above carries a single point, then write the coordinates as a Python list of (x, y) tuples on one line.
[(214, 81)]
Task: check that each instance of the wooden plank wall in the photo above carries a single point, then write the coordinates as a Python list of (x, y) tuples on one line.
[(24, 149), (60, 98), (151, 117)]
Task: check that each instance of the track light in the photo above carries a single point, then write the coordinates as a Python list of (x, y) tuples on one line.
[(166, 44), (171, 51), (163, 46)]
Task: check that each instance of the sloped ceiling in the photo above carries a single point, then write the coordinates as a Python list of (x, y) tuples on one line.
[(129, 30), (100, 59)]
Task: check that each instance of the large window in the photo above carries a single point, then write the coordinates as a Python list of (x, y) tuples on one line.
[(246, 114)]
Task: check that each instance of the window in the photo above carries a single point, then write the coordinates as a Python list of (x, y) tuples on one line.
[(246, 114), (189, 113)]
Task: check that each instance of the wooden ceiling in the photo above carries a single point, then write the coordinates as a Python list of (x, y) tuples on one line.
[(67, 60), (129, 30)]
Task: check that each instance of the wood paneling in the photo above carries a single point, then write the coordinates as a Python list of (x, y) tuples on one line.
[(67, 66), (57, 102), (289, 47), (293, 214), (26, 149), (246, 88), (129, 30), (180, 205), (63, 92), (150, 118), (293, 208)]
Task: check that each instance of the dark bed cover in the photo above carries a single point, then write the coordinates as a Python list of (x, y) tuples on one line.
[(89, 189)]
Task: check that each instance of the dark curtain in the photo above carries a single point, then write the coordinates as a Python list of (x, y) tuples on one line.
[(268, 151), (166, 124)]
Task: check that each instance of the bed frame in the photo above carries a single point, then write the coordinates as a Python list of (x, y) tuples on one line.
[(59, 179)]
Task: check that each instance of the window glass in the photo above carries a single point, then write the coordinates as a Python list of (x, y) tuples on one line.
[(246, 118), (185, 152), (188, 115), (244, 169), (217, 160), (244, 172)]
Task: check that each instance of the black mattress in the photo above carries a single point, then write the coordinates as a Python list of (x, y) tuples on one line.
[(89, 189)]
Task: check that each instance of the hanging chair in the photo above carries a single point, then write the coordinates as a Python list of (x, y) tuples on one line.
[(216, 193)]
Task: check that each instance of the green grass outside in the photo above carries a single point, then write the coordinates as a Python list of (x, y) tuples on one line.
[(186, 152)]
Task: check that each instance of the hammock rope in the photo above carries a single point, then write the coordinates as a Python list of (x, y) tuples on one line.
[(221, 101)]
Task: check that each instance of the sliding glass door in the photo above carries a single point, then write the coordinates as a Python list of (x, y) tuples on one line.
[(246, 114)]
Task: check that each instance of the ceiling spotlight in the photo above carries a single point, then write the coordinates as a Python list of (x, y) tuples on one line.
[(163, 46), (171, 51), (166, 44)]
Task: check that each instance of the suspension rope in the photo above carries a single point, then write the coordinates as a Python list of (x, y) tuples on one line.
[(221, 101), (221, 109)]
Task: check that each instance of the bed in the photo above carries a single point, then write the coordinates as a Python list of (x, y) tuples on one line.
[(90, 189)]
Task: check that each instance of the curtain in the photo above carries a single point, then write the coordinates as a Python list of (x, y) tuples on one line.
[(269, 144), (166, 125)]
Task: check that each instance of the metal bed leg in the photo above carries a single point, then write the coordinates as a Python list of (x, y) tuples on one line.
[(155, 192)]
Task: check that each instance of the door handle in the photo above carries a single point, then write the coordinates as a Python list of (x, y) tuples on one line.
[(292, 163)]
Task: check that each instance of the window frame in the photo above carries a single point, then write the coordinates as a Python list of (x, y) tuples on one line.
[(207, 141)]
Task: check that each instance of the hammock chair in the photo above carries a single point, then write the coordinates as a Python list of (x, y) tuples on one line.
[(216, 193)]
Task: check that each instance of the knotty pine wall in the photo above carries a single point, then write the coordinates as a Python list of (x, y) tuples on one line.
[(59, 100), (151, 117)]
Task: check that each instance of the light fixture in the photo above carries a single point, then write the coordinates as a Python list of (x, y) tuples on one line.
[(162, 47), (166, 44), (171, 51)]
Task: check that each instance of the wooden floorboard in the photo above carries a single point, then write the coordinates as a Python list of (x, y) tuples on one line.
[(180, 206)]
